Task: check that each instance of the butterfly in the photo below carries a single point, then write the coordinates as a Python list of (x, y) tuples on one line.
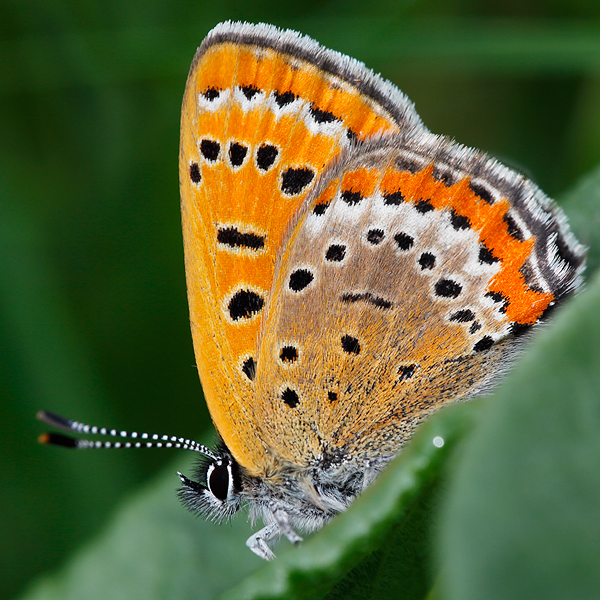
[(348, 274)]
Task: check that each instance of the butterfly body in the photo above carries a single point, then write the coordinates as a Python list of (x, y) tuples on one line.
[(348, 272)]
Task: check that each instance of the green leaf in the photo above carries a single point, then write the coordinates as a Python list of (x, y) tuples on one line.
[(522, 518)]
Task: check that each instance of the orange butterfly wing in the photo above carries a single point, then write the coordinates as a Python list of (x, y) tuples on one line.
[(264, 112), (403, 285)]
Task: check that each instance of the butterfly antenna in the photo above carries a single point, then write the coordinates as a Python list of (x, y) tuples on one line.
[(139, 440)]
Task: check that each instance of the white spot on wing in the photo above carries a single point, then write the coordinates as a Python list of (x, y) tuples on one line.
[(247, 105), (204, 104)]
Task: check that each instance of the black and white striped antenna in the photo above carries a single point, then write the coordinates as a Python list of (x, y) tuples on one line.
[(132, 439)]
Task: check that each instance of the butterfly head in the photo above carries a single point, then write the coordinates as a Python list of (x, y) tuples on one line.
[(216, 491)]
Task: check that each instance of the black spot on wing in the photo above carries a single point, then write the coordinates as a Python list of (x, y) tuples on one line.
[(424, 206), (459, 221), (447, 288), (404, 241), (482, 192), (485, 343), (446, 177), (351, 198), (195, 174), (237, 154), (322, 116), (393, 198), (210, 149), (463, 316), (299, 279), (486, 256), (335, 253), (513, 228), (320, 209), (406, 164), (475, 327), (427, 261), (375, 236), (293, 181), (284, 98), (350, 344), (290, 397), (244, 304), (406, 372), (249, 368), (211, 93), (498, 298), (351, 298), (249, 91), (288, 354), (265, 156), (518, 329), (230, 236)]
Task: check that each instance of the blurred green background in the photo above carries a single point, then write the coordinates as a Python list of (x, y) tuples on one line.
[(93, 313)]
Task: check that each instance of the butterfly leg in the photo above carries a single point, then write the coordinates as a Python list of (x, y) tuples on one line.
[(259, 542), (281, 517)]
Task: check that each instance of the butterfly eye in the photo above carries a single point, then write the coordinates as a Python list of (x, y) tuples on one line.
[(219, 481)]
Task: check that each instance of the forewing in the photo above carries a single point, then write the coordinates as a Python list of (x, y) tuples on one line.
[(264, 112)]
